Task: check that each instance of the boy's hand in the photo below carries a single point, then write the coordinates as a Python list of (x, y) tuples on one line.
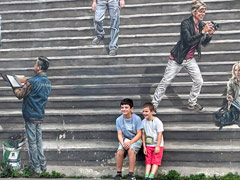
[(126, 145), (157, 150), (94, 5), (144, 150), (122, 3)]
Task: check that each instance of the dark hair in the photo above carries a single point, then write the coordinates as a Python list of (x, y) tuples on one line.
[(43, 62), (149, 105), (127, 101)]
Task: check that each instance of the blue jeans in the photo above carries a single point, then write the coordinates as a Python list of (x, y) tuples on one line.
[(35, 148), (114, 11)]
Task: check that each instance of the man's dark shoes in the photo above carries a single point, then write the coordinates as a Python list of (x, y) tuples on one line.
[(97, 40), (118, 177), (113, 52)]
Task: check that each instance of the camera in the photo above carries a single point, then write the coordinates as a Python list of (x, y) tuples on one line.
[(215, 25)]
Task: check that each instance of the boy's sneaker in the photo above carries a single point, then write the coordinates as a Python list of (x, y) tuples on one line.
[(196, 107), (97, 40), (131, 177), (118, 177)]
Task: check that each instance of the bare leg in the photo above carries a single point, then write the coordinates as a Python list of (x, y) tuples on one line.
[(119, 159), (132, 159)]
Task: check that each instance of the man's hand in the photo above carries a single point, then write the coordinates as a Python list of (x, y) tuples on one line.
[(122, 3), (94, 5), (230, 98)]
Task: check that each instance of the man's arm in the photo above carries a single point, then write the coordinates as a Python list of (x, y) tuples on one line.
[(24, 91)]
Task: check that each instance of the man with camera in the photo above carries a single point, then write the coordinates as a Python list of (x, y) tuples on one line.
[(194, 33)]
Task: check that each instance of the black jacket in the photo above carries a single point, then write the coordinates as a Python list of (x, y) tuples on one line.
[(189, 38)]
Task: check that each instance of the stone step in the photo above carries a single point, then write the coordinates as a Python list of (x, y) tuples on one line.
[(86, 102), (79, 10), (213, 57), (46, 4), (88, 151), (87, 21), (215, 87), (129, 78), (184, 168), (198, 131), (89, 30), (136, 48), (92, 115), (119, 69), (123, 39)]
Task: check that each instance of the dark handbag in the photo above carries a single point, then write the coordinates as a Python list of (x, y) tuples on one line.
[(226, 117)]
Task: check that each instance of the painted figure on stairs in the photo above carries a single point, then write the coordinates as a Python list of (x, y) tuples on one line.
[(113, 7), (194, 33), (34, 93)]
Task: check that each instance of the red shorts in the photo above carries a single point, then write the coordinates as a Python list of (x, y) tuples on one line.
[(152, 157)]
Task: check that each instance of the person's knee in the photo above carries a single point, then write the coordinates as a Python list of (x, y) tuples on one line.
[(120, 153), (131, 152)]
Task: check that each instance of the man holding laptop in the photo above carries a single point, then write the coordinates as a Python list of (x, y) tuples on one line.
[(34, 93)]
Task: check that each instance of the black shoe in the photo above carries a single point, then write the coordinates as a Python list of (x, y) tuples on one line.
[(196, 107), (118, 177), (97, 40), (113, 52), (131, 177)]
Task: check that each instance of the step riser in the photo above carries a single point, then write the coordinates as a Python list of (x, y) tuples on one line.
[(71, 71), (83, 42), (127, 90), (89, 32), (125, 11), (128, 80), (104, 103), (108, 60), (121, 50), (124, 21), (44, 5), (110, 119), (103, 156), (112, 135)]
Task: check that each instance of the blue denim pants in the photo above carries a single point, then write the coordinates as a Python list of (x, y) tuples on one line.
[(114, 11), (35, 147)]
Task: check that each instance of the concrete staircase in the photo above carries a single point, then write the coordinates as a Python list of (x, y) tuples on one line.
[(79, 131)]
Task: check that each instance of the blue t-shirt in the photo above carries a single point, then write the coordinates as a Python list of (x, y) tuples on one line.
[(129, 127)]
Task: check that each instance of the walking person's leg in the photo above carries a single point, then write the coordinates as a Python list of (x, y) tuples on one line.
[(171, 71), (41, 155), (98, 21), (30, 129), (114, 11), (193, 70)]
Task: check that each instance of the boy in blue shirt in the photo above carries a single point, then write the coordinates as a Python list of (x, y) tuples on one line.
[(129, 130)]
